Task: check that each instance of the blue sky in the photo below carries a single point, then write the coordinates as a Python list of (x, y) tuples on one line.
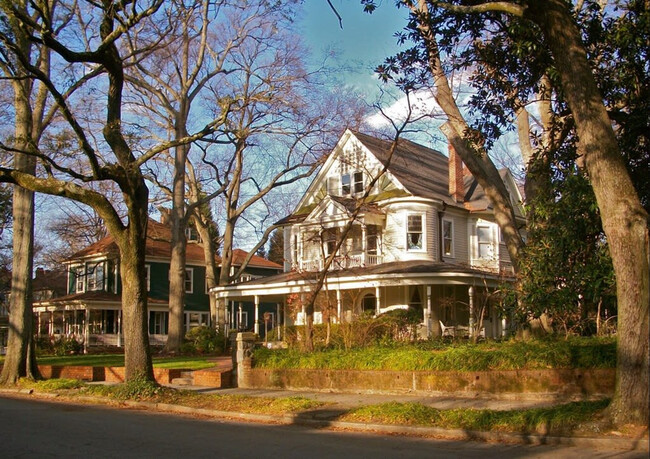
[(363, 42)]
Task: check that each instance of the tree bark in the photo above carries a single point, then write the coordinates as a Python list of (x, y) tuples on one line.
[(21, 358), (137, 354), (625, 221), (176, 330), (473, 155)]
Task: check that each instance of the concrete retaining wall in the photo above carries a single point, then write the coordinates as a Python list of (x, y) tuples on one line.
[(561, 382)]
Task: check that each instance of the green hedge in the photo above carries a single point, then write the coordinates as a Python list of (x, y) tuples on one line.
[(438, 355)]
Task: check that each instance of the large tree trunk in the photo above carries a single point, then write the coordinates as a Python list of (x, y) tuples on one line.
[(211, 276), (176, 329), (624, 219), (473, 155), (21, 360), (137, 354)]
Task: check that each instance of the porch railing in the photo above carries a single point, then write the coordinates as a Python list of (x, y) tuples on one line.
[(343, 262)]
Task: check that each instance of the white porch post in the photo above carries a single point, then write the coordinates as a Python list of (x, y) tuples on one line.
[(503, 327), (86, 330), (51, 327), (241, 314), (277, 320), (471, 312), (364, 245), (284, 317), (378, 296), (338, 306), (119, 328), (428, 315), (257, 315)]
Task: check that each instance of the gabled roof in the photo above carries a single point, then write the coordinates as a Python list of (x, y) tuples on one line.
[(425, 171), (422, 171), (158, 245)]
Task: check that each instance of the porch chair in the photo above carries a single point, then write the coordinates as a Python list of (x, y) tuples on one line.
[(447, 330)]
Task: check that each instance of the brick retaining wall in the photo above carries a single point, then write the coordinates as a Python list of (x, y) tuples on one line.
[(561, 382)]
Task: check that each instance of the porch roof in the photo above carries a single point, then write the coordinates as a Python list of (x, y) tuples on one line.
[(92, 300), (414, 272)]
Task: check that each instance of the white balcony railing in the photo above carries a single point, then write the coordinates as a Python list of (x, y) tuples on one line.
[(342, 262)]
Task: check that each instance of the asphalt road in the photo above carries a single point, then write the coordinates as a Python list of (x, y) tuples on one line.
[(41, 429)]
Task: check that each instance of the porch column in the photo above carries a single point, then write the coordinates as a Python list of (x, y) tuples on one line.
[(86, 330), (428, 314), (38, 324), (257, 315), (119, 328), (284, 317), (471, 312), (277, 320), (378, 297), (364, 245), (51, 327), (241, 314), (503, 327), (338, 306), (64, 331)]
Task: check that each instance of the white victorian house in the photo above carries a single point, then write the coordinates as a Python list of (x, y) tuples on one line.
[(423, 236)]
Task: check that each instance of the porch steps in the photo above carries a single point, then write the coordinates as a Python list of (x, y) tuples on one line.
[(186, 379), (219, 377)]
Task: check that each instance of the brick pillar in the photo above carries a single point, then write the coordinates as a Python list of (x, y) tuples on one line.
[(456, 183)]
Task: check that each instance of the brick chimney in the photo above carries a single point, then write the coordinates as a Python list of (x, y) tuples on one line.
[(456, 184)]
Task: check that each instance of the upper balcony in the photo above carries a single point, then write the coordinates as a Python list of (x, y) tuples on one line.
[(342, 262)]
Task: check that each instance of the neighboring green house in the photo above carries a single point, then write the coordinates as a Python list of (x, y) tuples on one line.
[(90, 311)]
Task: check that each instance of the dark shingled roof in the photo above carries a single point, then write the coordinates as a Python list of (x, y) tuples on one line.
[(395, 267), (158, 245), (92, 296), (423, 171)]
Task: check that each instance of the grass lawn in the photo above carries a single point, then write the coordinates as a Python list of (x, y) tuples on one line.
[(117, 360)]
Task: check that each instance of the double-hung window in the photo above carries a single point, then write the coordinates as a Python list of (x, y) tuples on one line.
[(95, 276), (414, 233), (345, 184), (358, 182), (80, 279), (484, 237), (448, 238), (189, 280)]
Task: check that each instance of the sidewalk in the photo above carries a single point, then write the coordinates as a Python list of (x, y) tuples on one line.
[(439, 401)]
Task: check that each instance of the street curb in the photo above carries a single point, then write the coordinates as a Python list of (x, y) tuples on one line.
[(308, 419)]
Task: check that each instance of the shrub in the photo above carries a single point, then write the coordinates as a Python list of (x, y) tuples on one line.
[(58, 346), (67, 346), (203, 340), (437, 355)]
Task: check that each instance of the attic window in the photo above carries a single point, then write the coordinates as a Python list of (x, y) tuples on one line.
[(358, 182), (345, 184)]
